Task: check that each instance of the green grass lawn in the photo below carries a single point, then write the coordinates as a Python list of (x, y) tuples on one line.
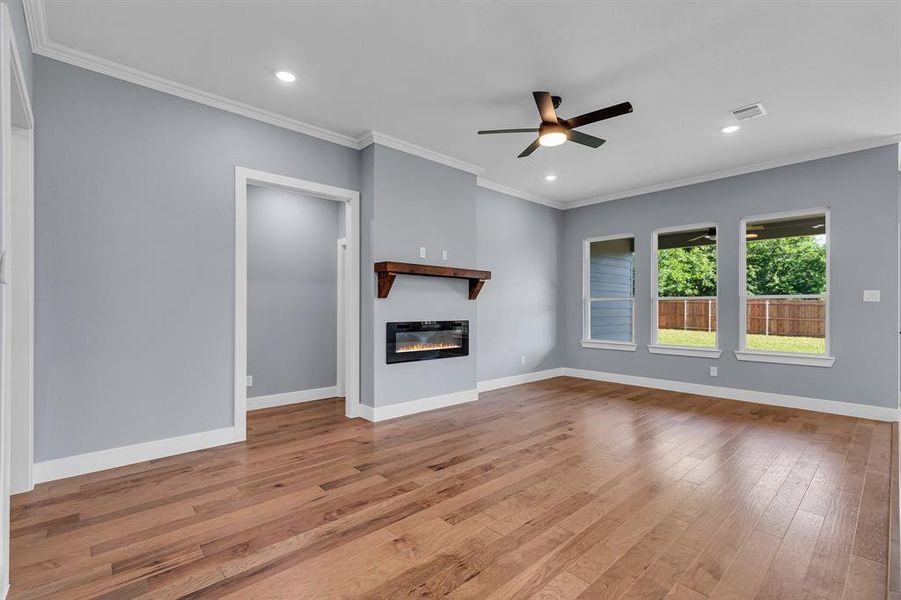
[(773, 343)]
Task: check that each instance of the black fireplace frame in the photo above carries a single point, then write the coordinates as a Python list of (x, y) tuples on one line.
[(393, 328)]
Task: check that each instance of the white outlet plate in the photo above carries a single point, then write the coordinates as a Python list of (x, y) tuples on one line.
[(444, 255), (249, 381), (713, 371), (522, 359), (422, 252), (871, 295)]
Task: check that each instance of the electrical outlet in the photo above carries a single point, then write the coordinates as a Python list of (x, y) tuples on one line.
[(522, 359), (713, 371), (871, 295), (422, 252), (249, 381), (444, 255)]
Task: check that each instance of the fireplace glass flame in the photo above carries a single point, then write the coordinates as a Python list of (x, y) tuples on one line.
[(426, 340), (423, 346)]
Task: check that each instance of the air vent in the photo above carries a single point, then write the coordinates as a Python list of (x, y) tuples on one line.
[(748, 112)]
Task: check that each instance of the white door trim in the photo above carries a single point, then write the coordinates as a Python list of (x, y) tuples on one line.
[(342, 342), (351, 198), (17, 205)]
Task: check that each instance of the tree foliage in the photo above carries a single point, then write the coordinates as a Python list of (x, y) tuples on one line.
[(791, 265), (687, 271), (780, 266)]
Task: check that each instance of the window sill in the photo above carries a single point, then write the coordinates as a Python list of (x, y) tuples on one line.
[(684, 351), (785, 358), (623, 346)]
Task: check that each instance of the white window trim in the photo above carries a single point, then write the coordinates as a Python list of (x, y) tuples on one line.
[(587, 342), (786, 358), (599, 345), (693, 351)]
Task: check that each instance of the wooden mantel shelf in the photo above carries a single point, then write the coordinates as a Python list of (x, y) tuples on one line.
[(388, 270)]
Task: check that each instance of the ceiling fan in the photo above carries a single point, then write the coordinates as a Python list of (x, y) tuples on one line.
[(711, 234), (553, 130)]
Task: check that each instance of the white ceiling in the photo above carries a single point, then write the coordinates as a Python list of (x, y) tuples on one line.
[(432, 73)]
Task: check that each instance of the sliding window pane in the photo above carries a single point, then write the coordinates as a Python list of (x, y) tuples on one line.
[(611, 269), (687, 322), (611, 320), (787, 325)]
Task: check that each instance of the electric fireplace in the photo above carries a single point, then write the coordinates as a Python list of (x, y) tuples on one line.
[(426, 340)]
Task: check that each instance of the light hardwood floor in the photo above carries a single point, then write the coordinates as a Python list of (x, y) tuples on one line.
[(563, 488)]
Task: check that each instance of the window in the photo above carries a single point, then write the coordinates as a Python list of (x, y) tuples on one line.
[(784, 282), (609, 293), (684, 291)]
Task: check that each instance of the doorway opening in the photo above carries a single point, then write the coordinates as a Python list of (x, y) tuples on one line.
[(346, 333)]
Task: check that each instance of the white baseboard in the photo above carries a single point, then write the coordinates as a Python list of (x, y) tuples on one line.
[(392, 411), (291, 398), (878, 413), (58, 468), (502, 382)]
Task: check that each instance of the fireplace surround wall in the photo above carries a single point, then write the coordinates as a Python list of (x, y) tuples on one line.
[(408, 341)]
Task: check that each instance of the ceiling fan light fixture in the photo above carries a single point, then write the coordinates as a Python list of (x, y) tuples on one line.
[(552, 136)]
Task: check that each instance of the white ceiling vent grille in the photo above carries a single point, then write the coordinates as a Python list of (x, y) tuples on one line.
[(748, 112)]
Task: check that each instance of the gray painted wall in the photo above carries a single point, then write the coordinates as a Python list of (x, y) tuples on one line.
[(519, 243), (415, 202), (862, 191), (135, 242), (135, 256), (292, 284)]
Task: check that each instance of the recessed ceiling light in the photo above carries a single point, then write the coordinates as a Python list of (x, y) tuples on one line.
[(550, 177), (730, 129), (286, 76)]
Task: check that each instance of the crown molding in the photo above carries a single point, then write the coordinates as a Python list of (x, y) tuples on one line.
[(503, 189), (36, 23), (742, 170), (36, 20), (374, 137)]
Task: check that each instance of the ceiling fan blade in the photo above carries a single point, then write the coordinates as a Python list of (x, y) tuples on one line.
[(616, 110), (525, 130), (532, 147), (585, 139), (545, 106)]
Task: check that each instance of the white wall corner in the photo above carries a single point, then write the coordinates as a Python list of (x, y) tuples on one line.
[(503, 189), (402, 409), (374, 137), (503, 382)]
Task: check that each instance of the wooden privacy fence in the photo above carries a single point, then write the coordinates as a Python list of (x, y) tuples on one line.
[(776, 316)]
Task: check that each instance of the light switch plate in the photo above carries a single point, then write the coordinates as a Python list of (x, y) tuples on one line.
[(871, 295)]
